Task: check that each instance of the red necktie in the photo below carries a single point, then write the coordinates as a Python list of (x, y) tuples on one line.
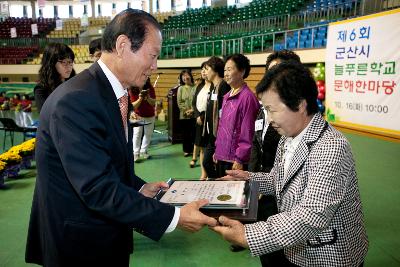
[(123, 106)]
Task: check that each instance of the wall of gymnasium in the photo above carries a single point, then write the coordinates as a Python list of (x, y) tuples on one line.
[(167, 69)]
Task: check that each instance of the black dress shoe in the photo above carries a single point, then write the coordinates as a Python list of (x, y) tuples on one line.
[(236, 248)]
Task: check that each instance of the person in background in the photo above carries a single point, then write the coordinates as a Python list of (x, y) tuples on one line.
[(185, 95), (143, 101), (87, 198), (199, 107), (266, 138), (95, 49), (236, 125), (214, 68), (5, 105), (198, 81), (15, 102), (320, 220), (263, 151), (26, 103), (57, 67), (2, 97)]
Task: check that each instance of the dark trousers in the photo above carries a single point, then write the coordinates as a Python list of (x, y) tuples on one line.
[(188, 126), (208, 162), (276, 259)]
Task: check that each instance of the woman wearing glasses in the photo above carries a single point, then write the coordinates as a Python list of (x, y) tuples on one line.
[(57, 67)]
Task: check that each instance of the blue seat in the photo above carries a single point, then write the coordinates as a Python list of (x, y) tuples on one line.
[(321, 35), (278, 47), (292, 45), (318, 43)]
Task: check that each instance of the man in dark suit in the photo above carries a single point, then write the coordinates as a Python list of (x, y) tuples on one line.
[(87, 197), (320, 220)]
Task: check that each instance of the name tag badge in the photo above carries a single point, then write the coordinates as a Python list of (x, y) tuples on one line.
[(214, 97), (259, 125)]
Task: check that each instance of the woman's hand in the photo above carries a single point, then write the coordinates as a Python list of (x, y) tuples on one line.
[(199, 121), (237, 166)]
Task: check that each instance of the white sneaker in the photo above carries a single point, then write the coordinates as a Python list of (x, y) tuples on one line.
[(144, 155), (135, 157)]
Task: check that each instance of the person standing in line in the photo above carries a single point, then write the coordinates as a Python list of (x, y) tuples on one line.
[(57, 67), (215, 73), (143, 101), (199, 107), (95, 49), (320, 220), (236, 125), (87, 198), (185, 98)]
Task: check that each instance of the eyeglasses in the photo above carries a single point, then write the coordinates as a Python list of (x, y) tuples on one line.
[(66, 62)]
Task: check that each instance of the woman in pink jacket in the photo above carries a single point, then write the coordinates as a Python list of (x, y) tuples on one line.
[(238, 114)]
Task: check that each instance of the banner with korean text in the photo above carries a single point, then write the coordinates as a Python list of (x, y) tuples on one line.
[(363, 73)]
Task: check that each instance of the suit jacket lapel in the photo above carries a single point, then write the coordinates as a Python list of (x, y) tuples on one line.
[(112, 105), (317, 126)]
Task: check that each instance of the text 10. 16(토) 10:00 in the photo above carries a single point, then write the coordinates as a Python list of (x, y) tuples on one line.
[(376, 108)]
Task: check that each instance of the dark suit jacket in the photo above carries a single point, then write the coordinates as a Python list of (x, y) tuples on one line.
[(263, 151), (86, 200)]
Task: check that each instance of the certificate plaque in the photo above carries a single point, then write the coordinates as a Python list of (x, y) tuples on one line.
[(234, 199)]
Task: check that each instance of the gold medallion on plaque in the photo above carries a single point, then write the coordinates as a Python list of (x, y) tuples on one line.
[(224, 197)]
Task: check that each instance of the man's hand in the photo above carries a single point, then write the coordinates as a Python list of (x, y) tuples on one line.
[(232, 231), (191, 219), (151, 189), (235, 175)]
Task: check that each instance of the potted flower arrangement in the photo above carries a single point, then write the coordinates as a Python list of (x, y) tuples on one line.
[(26, 151), (12, 160), (2, 173)]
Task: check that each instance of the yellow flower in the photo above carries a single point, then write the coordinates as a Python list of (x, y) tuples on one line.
[(24, 149), (10, 157), (2, 165)]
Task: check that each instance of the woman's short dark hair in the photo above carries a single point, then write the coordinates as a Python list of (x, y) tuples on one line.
[(133, 23), (293, 82), (282, 55), (181, 74), (49, 77), (242, 63), (217, 65)]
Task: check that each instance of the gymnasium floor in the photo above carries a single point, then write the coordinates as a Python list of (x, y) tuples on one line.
[(378, 171)]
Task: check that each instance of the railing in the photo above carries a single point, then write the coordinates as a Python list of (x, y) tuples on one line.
[(256, 43), (38, 42), (299, 20)]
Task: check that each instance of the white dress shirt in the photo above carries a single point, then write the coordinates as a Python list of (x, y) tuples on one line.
[(266, 122), (119, 92)]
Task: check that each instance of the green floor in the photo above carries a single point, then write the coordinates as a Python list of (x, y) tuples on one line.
[(378, 170)]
